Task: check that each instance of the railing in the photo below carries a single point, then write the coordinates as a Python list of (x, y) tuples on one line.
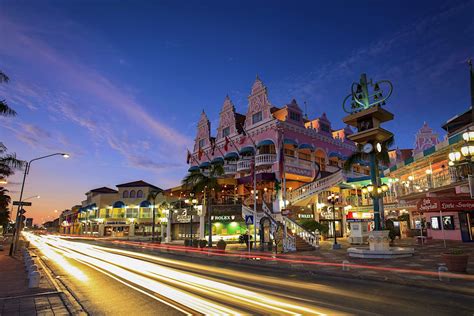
[(426, 182), (265, 159), (244, 164), (289, 244), (230, 168), (368, 201), (315, 186), (310, 238)]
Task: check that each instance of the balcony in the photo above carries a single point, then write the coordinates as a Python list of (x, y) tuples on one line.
[(265, 159), (230, 168), (428, 182), (244, 165)]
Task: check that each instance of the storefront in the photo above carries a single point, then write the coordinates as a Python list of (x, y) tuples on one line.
[(448, 219), (329, 218), (184, 224), (228, 223)]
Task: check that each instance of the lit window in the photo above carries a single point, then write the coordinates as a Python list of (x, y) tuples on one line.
[(133, 194), (257, 117), (125, 194)]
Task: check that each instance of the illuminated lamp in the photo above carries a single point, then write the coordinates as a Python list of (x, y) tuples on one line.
[(370, 188), (384, 187), (364, 190)]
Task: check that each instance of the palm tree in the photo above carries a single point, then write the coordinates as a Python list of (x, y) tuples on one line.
[(8, 162), (196, 181), (5, 110), (152, 198), (4, 212)]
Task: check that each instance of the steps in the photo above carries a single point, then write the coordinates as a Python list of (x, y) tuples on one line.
[(314, 187), (301, 244)]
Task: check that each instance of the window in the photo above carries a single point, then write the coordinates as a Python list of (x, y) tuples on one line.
[(295, 116), (133, 194), (448, 222), (125, 194), (257, 117), (131, 213), (324, 127), (435, 223), (139, 194), (201, 143), (226, 132)]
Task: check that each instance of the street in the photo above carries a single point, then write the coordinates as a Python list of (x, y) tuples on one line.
[(110, 281)]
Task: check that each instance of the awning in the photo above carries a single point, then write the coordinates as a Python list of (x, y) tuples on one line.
[(334, 154), (265, 142), (145, 204), (288, 141), (231, 156), (247, 150), (306, 146), (118, 204), (217, 160), (82, 209), (204, 165), (193, 169)]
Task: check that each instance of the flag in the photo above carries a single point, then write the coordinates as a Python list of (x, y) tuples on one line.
[(226, 145), (188, 157)]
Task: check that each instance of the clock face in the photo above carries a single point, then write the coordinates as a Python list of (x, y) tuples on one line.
[(367, 148)]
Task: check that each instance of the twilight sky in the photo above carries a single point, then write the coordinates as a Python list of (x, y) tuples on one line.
[(120, 86)]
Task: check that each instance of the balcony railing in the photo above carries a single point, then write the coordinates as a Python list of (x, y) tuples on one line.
[(426, 182), (230, 168), (368, 201), (265, 159), (244, 165)]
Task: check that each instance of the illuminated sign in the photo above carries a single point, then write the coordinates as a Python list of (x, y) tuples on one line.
[(223, 218)]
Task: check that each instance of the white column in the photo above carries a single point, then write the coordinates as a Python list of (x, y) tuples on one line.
[(131, 230)]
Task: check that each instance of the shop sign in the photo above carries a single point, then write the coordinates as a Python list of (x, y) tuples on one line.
[(305, 215), (359, 215), (433, 205), (223, 218), (115, 223)]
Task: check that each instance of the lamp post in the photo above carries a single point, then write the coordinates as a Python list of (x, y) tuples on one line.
[(376, 193), (191, 203), (333, 199), (18, 214)]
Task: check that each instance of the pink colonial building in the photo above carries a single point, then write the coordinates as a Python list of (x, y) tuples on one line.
[(311, 150)]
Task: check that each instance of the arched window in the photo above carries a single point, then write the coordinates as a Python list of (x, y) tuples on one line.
[(132, 194), (139, 194), (125, 194), (320, 158)]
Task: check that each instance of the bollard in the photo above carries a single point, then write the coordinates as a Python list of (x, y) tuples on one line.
[(345, 265), (28, 262), (34, 279), (442, 273), (30, 267)]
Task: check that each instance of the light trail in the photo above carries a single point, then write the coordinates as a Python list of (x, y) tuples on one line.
[(202, 294)]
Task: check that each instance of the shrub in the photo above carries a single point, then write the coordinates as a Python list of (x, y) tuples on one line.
[(221, 244), (312, 225), (202, 243)]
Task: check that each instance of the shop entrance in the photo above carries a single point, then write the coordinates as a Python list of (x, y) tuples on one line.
[(329, 223), (466, 220)]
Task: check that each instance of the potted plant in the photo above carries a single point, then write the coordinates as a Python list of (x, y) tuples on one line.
[(195, 243), (456, 260), (202, 243), (221, 244), (187, 242)]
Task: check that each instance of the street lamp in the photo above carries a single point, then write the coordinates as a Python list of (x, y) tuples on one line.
[(191, 203), (18, 214), (333, 199)]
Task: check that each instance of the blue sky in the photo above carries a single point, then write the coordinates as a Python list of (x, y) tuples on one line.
[(120, 85)]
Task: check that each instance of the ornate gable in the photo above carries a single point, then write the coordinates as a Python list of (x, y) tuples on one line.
[(226, 119), (258, 102), (425, 138), (203, 132)]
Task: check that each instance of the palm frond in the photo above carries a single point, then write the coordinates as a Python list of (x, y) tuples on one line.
[(5, 110), (11, 161), (352, 159), (3, 77)]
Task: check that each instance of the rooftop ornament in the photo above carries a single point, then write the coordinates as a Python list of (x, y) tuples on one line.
[(361, 98)]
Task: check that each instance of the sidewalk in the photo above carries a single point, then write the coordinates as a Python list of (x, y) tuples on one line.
[(15, 296)]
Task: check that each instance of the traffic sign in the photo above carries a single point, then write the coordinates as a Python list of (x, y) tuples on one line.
[(22, 203), (248, 219)]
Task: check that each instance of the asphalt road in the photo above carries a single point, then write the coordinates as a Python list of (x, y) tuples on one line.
[(112, 281)]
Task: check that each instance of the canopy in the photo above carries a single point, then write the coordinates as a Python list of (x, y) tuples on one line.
[(204, 165), (145, 204), (246, 150), (118, 204), (218, 160), (265, 142), (193, 169), (288, 141), (91, 206), (335, 154), (306, 146), (231, 156)]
